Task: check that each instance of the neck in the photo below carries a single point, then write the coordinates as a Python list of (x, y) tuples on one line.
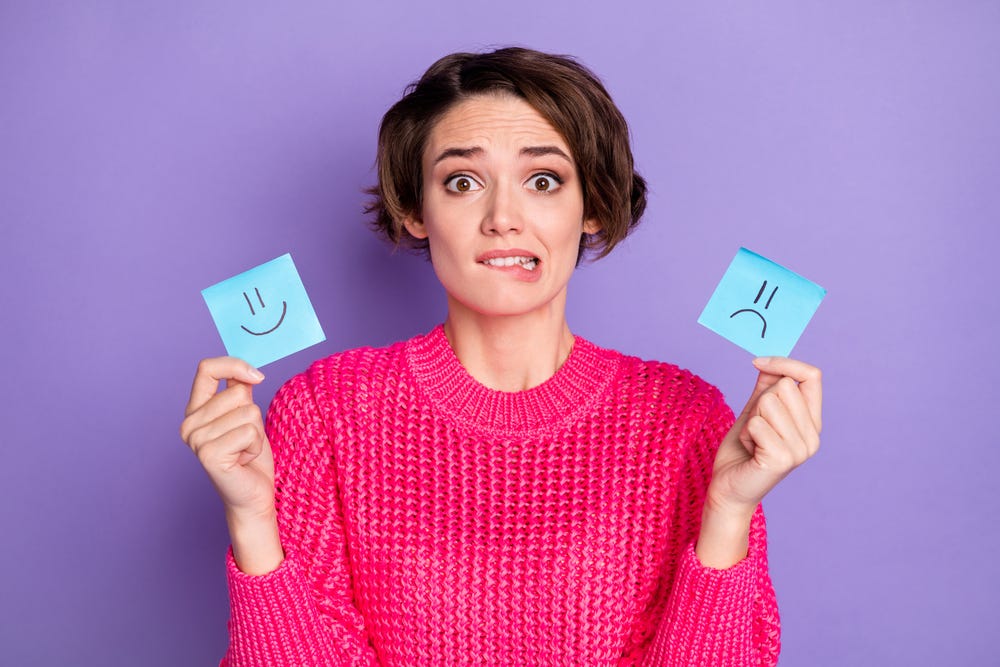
[(509, 352)]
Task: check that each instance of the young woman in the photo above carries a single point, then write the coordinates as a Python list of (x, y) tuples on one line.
[(499, 491)]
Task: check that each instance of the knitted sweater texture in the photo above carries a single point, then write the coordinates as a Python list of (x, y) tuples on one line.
[(429, 520)]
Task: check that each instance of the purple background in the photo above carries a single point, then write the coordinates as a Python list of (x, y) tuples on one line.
[(148, 150)]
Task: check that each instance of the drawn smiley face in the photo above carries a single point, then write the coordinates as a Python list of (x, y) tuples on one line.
[(755, 312), (264, 314), (260, 300)]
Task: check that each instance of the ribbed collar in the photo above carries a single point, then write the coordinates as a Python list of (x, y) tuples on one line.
[(571, 392)]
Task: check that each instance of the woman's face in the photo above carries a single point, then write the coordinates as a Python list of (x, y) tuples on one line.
[(502, 207)]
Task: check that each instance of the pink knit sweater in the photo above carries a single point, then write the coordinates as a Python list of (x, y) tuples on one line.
[(429, 520)]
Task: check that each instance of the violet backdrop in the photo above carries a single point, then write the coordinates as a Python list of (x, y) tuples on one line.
[(148, 150)]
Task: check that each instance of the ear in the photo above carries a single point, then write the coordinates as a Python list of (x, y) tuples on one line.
[(415, 227), (591, 226)]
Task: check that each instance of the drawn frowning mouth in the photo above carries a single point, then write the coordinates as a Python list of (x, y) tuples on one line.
[(751, 310)]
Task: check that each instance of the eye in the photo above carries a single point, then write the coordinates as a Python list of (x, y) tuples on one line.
[(462, 183), (545, 182)]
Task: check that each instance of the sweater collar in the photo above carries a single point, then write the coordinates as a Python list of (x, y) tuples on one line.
[(574, 389)]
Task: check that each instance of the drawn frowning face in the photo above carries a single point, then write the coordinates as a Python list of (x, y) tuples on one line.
[(772, 324), (260, 300), (755, 312)]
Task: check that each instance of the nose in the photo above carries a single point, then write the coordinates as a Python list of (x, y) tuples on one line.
[(503, 212)]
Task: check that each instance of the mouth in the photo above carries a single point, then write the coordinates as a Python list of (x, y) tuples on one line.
[(524, 261), (284, 309)]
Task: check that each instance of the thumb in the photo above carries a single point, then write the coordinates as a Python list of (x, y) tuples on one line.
[(243, 389)]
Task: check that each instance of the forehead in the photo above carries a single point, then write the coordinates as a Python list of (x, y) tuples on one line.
[(486, 121)]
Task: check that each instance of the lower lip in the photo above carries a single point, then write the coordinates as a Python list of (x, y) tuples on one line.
[(518, 271)]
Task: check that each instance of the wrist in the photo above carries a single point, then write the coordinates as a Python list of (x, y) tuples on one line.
[(722, 504), (256, 544), (248, 518), (723, 539)]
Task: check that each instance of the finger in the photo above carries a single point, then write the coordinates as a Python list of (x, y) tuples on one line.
[(791, 396), (770, 455), (764, 382), (213, 370), (205, 434), (779, 418), (746, 439), (809, 377), (252, 452), (224, 452), (220, 404)]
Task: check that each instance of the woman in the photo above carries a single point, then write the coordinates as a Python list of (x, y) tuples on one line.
[(499, 491)]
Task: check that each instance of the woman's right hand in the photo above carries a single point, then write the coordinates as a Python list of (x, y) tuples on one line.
[(226, 432)]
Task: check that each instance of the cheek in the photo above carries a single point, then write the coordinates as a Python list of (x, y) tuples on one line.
[(569, 229), (445, 249)]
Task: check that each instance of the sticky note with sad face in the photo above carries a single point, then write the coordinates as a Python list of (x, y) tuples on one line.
[(761, 306), (264, 314)]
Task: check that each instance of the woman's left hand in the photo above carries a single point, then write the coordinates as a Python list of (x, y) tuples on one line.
[(777, 431)]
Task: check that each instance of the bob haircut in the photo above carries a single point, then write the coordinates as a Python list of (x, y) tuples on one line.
[(563, 91)]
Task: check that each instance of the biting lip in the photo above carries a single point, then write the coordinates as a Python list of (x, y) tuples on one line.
[(521, 264), (502, 254)]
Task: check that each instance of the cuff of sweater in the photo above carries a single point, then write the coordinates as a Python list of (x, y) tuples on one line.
[(709, 617), (703, 588), (273, 618)]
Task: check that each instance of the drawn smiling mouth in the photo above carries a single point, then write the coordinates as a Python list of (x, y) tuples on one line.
[(284, 309)]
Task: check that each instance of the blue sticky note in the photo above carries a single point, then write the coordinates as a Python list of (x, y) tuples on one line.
[(264, 314), (761, 306)]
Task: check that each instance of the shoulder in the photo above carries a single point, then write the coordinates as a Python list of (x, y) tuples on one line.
[(666, 381), (665, 391), (313, 401), (328, 381), (350, 367)]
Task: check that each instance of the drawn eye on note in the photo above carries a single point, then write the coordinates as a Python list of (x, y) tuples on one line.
[(268, 302), (782, 318), (763, 287), (260, 301)]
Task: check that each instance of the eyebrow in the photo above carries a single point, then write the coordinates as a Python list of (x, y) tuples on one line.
[(539, 151), (458, 152), (530, 151)]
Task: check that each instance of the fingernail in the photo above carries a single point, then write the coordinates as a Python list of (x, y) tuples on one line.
[(762, 361), (254, 373)]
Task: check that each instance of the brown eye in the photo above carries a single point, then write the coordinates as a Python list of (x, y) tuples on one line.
[(544, 183), (462, 183)]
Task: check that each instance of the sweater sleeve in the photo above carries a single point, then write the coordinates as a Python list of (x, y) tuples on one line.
[(302, 613), (718, 618)]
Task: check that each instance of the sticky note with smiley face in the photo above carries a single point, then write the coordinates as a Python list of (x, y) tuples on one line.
[(264, 314), (761, 306)]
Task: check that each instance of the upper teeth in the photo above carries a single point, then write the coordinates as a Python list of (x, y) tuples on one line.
[(527, 262)]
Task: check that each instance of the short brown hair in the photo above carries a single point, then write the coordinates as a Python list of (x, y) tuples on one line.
[(564, 92)]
